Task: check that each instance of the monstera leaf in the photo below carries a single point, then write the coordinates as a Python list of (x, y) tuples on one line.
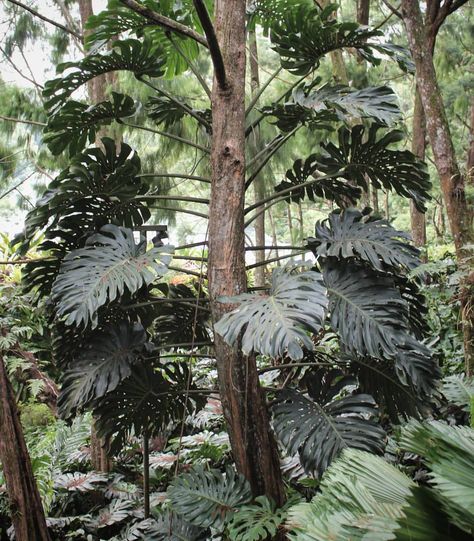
[(100, 367), (306, 34), (167, 526), (289, 115), (110, 263), (332, 189), (280, 321), (355, 159), (379, 378), (372, 319), (77, 124), (375, 102), (139, 57), (320, 426), (117, 19), (182, 321), (349, 234), (100, 186), (207, 498), (148, 400)]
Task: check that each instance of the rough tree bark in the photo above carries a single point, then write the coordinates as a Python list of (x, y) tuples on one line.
[(26, 509), (253, 445), (452, 182), (418, 147), (259, 188)]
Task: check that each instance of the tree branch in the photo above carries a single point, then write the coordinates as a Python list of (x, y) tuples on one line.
[(214, 49), (46, 19), (395, 11), (20, 121), (165, 22)]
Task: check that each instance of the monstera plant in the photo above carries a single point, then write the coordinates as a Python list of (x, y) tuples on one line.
[(114, 312)]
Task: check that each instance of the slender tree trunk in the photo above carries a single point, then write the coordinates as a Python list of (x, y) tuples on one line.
[(259, 188), (274, 234), (418, 147), (26, 509), (253, 444)]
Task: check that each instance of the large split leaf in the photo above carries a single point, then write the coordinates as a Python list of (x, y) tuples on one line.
[(139, 57), (356, 158), (76, 124), (319, 427), (100, 367), (349, 234), (208, 498), (375, 102), (332, 189), (305, 35), (110, 263), (149, 399), (280, 321), (172, 527)]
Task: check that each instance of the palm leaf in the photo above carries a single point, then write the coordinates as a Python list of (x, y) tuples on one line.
[(101, 271), (449, 452), (139, 57), (459, 389), (349, 234), (356, 158), (332, 189), (374, 102), (208, 498), (76, 124), (80, 482), (320, 427), (100, 366), (281, 320), (148, 400)]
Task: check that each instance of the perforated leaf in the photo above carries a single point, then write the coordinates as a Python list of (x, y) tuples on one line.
[(350, 234), (375, 102), (149, 399), (280, 321), (110, 263), (306, 34), (139, 57), (356, 158), (207, 497), (100, 367), (319, 427), (76, 124), (332, 189)]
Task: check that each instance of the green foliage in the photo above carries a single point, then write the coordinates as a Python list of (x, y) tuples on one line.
[(146, 401), (459, 389), (76, 124), (362, 496), (350, 234), (99, 368), (110, 262), (279, 322), (332, 189), (257, 521), (330, 420), (208, 498), (362, 153), (139, 57)]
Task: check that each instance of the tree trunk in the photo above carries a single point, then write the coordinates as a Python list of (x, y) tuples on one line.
[(418, 147), (26, 509), (253, 444), (452, 182), (259, 188)]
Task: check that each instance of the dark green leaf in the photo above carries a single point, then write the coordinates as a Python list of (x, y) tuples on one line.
[(280, 321), (321, 427), (356, 158), (110, 263), (100, 367), (76, 124)]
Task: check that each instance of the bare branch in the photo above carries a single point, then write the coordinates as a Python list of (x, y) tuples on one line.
[(165, 22), (395, 11), (214, 49), (20, 121), (46, 19)]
